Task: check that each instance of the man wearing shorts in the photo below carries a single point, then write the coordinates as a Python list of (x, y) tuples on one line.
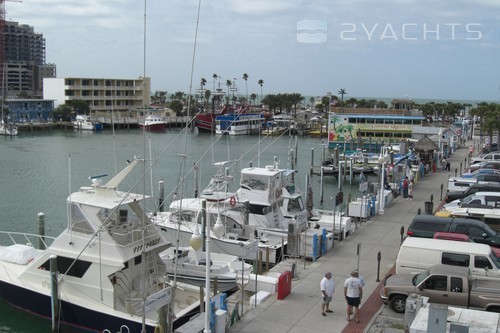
[(327, 287), (353, 291)]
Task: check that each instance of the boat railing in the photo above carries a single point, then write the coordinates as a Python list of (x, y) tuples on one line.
[(36, 241), (125, 236)]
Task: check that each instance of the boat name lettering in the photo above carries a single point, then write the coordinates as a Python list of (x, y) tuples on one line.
[(148, 244)]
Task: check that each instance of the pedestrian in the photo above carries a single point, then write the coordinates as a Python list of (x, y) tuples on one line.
[(443, 163), (327, 287), (448, 165), (353, 292), (405, 188), (410, 191)]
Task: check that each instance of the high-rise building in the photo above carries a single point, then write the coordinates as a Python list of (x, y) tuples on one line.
[(24, 66)]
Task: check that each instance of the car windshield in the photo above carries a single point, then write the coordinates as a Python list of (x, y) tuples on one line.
[(417, 279), (468, 199)]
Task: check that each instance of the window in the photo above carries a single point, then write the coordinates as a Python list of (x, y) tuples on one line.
[(482, 262), (456, 285), (455, 259), (77, 270), (429, 226), (437, 282)]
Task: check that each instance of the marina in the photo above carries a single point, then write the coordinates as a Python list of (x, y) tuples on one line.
[(50, 163)]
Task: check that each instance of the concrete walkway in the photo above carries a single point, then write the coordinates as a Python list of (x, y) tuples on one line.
[(300, 312)]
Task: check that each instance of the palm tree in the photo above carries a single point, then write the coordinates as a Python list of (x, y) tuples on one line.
[(228, 84), (342, 93), (261, 82), (295, 99), (215, 79), (245, 77)]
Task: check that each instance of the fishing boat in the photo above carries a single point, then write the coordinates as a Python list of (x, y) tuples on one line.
[(7, 129), (109, 272), (191, 265), (153, 123), (260, 210), (84, 123)]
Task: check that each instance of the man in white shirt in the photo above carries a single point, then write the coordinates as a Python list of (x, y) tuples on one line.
[(353, 291), (327, 287)]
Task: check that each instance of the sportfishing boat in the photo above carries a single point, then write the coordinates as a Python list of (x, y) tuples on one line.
[(103, 271), (224, 268), (259, 211), (153, 123), (84, 123), (7, 129)]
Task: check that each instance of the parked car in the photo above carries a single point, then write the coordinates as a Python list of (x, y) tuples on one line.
[(479, 172), (452, 196), (477, 200), (490, 148), (486, 158), (461, 238), (442, 284), (425, 226), (418, 254), (484, 165), (461, 184)]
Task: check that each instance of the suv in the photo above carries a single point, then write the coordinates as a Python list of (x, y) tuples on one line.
[(486, 158), (451, 196), (461, 184), (484, 165), (426, 226)]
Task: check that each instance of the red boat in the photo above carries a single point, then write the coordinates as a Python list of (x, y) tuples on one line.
[(153, 123)]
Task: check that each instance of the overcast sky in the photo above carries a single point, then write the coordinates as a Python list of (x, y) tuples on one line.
[(435, 49)]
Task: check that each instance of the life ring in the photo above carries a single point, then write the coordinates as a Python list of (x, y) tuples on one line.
[(232, 201)]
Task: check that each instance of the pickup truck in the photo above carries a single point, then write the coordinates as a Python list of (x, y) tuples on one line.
[(443, 284)]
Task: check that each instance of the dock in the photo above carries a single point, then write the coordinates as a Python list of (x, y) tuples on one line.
[(381, 235)]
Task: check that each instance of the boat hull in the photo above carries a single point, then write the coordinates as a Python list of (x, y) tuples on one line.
[(155, 127), (205, 123), (70, 314)]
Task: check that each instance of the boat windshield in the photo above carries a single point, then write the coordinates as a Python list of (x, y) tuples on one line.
[(255, 182)]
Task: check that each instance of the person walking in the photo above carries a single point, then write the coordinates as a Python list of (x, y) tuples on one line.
[(410, 191), (327, 286), (353, 291), (405, 188), (443, 163)]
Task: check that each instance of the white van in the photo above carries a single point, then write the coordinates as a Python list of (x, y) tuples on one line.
[(418, 254)]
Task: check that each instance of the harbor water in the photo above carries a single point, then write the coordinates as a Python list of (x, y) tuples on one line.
[(39, 171)]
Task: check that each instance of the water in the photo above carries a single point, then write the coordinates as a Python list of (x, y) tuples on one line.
[(40, 170)]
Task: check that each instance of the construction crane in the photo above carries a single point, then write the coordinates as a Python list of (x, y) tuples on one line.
[(2, 44)]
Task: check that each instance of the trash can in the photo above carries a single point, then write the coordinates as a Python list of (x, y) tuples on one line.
[(429, 207)]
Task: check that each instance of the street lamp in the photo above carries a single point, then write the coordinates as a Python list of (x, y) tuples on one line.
[(382, 160)]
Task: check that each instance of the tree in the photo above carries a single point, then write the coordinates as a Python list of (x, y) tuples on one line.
[(295, 98), (63, 112), (245, 77), (326, 103), (159, 97), (176, 106), (261, 82), (342, 93), (253, 97), (80, 106)]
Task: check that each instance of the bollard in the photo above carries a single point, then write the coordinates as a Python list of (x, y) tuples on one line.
[(379, 257), (432, 197), (402, 232), (419, 211), (455, 172), (460, 166), (441, 196)]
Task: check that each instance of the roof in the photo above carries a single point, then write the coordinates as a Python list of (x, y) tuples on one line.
[(446, 245), (426, 144)]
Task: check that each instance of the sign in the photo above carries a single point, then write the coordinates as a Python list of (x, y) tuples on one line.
[(250, 249), (159, 299), (339, 198)]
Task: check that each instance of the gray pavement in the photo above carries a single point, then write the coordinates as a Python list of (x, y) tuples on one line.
[(300, 312)]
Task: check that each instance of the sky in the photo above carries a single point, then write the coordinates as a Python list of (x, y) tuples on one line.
[(425, 49)]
